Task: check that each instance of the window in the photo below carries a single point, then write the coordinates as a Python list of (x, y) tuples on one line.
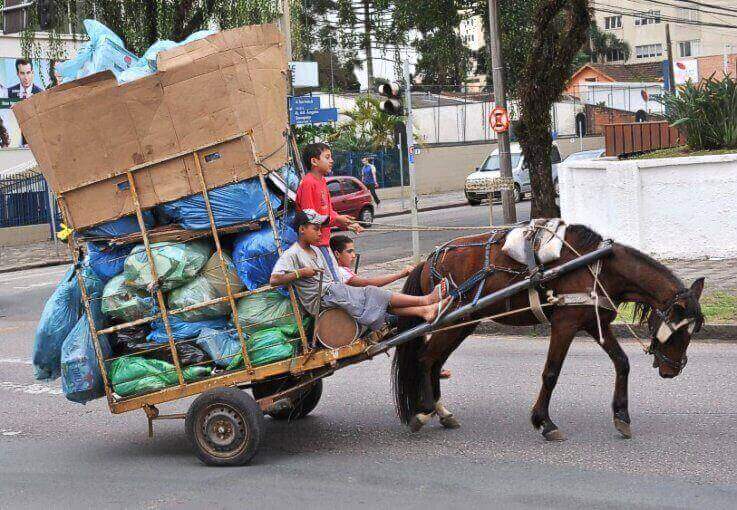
[(612, 22), (649, 51), (615, 56), (592, 80), (689, 48), (687, 14), (334, 188), (647, 18), (350, 186), (492, 162)]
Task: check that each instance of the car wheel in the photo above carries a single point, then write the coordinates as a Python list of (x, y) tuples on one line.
[(366, 216), (517, 193), (472, 201), (556, 186)]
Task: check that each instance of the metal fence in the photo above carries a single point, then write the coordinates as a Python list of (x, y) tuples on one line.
[(24, 200), (386, 162)]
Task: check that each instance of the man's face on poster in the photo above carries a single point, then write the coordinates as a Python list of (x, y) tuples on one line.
[(25, 75)]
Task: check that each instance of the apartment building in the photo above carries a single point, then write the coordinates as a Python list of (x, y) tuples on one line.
[(641, 23), (471, 32)]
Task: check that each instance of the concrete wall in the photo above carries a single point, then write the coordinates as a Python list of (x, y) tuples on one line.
[(444, 168), (20, 236), (10, 157), (670, 208)]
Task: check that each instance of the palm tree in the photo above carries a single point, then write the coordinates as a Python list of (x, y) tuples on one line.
[(602, 43), (372, 128)]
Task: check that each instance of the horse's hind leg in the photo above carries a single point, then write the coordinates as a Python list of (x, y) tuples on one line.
[(620, 403), (560, 339)]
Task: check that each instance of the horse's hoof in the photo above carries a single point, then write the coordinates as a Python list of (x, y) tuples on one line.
[(554, 435), (450, 422), (623, 428), (415, 424)]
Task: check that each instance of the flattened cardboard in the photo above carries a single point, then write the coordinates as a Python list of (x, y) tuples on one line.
[(86, 134)]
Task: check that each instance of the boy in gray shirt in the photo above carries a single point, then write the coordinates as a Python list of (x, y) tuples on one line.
[(303, 266)]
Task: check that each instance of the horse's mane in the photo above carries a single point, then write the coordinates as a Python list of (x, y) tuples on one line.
[(584, 238)]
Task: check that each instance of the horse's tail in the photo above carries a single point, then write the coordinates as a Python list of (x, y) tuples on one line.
[(405, 365)]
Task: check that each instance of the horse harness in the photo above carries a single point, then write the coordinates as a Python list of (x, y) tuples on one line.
[(534, 270)]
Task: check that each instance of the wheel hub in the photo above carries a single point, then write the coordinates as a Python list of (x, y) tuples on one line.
[(223, 430)]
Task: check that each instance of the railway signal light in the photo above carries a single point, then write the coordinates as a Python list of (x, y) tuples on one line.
[(392, 104)]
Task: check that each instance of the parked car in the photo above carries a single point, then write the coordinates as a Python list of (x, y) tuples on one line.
[(585, 155), (476, 183), (349, 196)]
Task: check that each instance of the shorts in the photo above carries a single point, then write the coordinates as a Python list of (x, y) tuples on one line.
[(368, 305)]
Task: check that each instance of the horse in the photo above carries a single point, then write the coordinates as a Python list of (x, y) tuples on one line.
[(671, 310)]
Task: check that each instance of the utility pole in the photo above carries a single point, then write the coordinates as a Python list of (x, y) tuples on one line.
[(411, 163), (671, 64), (286, 27), (500, 98), (367, 44)]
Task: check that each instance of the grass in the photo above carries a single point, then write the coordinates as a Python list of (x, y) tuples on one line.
[(718, 308), (682, 152)]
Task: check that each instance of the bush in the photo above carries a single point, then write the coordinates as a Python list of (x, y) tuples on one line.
[(705, 112)]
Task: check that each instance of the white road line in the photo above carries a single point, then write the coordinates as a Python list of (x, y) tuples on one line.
[(17, 361), (31, 389), (4, 432)]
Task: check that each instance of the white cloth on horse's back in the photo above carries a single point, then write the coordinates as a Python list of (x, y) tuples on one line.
[(548, 240)]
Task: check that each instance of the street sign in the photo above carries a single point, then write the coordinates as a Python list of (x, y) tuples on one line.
[(302, 103), (499, 120), (313, 116), (304, 74)]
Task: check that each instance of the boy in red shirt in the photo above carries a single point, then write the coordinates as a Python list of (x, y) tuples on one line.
[(313, 194)]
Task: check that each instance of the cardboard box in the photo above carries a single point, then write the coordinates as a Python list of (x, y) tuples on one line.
[(87, 133)]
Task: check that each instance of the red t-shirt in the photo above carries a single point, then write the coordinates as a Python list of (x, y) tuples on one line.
[(313, 194)]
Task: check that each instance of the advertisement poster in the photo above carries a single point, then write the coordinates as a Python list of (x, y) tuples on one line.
[(17, 83)]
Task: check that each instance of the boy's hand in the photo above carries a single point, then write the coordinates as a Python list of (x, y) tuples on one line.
[(307, 272), (355, 227), (408, 269)]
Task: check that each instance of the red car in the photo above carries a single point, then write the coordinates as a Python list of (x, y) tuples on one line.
[(349, 196)]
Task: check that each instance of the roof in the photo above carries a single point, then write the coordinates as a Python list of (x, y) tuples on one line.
[(646, 71), (22, 170)]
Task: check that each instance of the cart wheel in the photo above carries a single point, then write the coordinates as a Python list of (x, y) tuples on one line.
[(225, 426), (307, 400)]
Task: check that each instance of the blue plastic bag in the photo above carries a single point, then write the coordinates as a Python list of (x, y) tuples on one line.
[(255, 254), (104, 51), (107, 261), (231, 204), (221, 345), (81, 379), (121, 227), (182, 330)]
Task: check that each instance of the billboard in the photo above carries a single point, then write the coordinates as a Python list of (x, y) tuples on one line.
[(16, 84)]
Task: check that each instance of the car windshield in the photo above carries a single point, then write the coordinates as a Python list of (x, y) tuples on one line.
[(492, 162)]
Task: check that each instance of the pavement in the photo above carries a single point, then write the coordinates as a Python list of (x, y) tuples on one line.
[(352, 452), (428, 202)]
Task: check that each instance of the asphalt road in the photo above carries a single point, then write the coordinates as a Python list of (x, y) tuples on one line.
[(383, 246), (352, 452)]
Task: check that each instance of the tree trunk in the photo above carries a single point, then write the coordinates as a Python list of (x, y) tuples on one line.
[(367, 44), (537, 142)]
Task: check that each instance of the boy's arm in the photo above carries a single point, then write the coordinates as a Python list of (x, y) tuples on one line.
[(379, 281), (285, 272)]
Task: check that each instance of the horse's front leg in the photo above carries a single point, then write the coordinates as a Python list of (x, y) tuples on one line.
[(560, 340), (620, 402)]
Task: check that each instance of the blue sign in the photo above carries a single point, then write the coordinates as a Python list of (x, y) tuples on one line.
[(313, 116), (304, 103)]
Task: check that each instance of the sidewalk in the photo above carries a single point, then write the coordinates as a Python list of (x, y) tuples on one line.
[(16, 258), (393, 206)]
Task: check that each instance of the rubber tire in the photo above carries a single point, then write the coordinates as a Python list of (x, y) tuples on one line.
[(307, 404), (517, 193), (245, 406), (369, 217), (473, 203)]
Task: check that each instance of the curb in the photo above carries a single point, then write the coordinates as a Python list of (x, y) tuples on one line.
[(35, 265), (423, 209), (719, 332)]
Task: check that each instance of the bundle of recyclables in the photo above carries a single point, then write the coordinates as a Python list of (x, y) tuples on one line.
[(125, 284)]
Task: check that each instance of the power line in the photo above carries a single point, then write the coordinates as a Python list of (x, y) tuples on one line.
[(695, 9), (646, 15), (711, 6)]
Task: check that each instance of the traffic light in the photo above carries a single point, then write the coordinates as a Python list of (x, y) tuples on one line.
[(393, 102)]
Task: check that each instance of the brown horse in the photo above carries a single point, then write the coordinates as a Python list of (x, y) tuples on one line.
[(671, 310)]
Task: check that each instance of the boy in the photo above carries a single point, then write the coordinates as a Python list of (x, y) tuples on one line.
[(345, 253), (303, 266), (312, 193)]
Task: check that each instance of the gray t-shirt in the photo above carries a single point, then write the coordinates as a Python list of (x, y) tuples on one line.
[(307, 288)]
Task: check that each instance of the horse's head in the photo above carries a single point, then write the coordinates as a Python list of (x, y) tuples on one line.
[(671, 329)]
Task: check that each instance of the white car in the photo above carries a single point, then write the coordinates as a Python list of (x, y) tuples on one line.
[(476, 187)]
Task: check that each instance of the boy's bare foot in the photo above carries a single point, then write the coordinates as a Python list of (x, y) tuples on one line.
[(431, 311), (439, 292)]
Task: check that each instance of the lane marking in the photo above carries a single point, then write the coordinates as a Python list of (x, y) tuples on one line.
[(31, 389), (17, 361), (34, 285), (4, 432)]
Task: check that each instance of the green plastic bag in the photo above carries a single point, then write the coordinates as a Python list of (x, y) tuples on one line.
[(194, 292), (264, 347), (267, 310), (209, 285), (123, 303), (176, 264), (132, 375)]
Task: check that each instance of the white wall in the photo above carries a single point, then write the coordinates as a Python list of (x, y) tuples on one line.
[(670, 208)]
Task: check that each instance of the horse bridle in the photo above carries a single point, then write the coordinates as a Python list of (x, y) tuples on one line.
[(668, 328)]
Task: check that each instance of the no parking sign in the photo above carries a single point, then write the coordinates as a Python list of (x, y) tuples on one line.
[(499, 119)]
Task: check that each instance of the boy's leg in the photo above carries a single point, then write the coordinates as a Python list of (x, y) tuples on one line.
[(426, 312), (404, 300)]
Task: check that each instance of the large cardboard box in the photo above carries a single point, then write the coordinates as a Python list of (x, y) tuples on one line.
[(87, 133)]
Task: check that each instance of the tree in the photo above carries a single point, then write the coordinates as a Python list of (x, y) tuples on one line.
[(443, 60), (560, 28)]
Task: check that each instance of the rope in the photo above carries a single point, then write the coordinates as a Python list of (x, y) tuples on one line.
[(491, 318)]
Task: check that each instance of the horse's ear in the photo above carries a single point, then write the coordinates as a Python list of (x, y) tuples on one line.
[(697, 287)]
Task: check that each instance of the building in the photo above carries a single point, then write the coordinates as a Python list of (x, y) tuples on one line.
[(471, 32), (641, 24)]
